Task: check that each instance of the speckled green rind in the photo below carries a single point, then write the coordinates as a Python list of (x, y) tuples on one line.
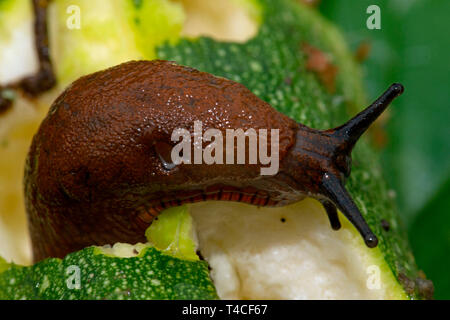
[(272, 65), (151, 275)]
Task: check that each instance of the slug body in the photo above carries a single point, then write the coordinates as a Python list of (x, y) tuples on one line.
[(99, 169)]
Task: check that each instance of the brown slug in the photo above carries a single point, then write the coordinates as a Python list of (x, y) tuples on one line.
[(98, 170)]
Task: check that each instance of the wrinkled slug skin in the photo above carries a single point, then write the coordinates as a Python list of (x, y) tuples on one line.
[(93, 174)]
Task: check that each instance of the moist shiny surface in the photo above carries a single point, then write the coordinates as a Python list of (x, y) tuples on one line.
[(94, 173)]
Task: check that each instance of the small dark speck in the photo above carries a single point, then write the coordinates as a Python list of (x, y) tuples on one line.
[(283, 220), (156, 218), (385, 225), (135, 251)]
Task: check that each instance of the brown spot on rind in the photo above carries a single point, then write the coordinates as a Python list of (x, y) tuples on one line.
[(378, 132), (319, 63), (425, 288), (419, 286), (407, 283), (363, 51)]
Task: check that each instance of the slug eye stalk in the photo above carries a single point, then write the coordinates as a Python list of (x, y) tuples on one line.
[(333, 188), (336, 192), (73, 187), (330, 208), (351, 131)]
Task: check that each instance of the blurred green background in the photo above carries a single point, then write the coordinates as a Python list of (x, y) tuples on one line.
[(413, 48)]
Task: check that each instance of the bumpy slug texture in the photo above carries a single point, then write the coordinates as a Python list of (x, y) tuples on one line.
[(103, 153), (11, 200), (94, 169)]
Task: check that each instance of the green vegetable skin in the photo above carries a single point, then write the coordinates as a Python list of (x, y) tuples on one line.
[(271, 65), (151, 274)]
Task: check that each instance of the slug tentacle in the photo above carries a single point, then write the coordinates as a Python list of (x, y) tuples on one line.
[(336, 192), (104, 153), (352, 130), (338, 150), (331, 210)]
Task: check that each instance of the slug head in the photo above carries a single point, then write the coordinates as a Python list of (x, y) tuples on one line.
[(324, 163)]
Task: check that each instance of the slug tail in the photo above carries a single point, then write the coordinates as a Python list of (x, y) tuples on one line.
[(336, 192), (352, 130)]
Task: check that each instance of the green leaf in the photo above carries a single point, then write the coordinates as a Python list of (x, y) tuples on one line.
[(430, 240), (411, 47)]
